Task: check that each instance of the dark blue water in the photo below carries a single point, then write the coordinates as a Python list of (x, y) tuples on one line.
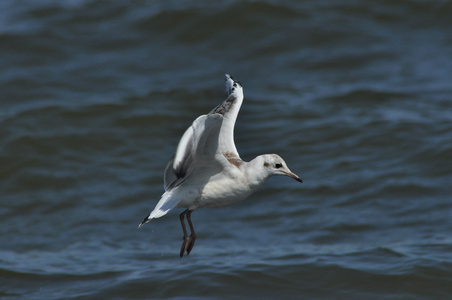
[(356, 96)]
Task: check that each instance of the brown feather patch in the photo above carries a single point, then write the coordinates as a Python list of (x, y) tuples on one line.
[(225, 106), (233, 159)]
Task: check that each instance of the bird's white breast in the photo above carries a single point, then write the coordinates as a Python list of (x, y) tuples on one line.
[(223, 192)]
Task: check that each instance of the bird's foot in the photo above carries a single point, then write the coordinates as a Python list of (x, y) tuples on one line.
[(187, 244)]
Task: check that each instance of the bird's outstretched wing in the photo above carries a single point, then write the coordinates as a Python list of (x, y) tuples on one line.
[(229, 109), (209, 136)]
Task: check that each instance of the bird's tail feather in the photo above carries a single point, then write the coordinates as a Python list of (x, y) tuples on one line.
[(166, 203)]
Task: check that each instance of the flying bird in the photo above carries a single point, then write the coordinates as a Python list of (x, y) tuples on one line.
[(207, 171)]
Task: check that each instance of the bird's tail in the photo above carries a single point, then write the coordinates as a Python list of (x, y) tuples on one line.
[(166, 203)]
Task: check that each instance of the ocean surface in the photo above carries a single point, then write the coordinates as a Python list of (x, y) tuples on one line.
[(356, 96)]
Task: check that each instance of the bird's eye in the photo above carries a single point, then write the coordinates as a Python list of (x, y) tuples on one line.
[(277, 166)]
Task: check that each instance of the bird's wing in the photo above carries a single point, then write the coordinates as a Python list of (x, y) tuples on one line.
[(196, 151), (229, 109), (209, 140), (169, 177)]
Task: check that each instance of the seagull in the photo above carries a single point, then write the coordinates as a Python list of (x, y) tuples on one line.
[(207, 171)]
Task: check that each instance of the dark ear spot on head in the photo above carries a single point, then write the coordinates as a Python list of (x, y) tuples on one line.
[(278, 165), (266, 164)]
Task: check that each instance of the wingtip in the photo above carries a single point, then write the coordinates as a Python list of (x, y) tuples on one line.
[(229, 81), (146, 220), (231, 84)]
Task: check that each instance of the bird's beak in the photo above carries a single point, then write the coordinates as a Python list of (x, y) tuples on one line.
[(294, 176)]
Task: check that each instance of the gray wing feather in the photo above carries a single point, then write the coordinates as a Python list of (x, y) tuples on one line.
[(170, 176), (199, 142)]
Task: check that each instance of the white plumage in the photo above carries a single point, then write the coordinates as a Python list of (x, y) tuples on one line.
[(207, 171)]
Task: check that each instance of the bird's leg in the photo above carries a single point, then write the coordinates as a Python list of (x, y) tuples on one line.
[(185, 237), (192, 237), (189, 241)]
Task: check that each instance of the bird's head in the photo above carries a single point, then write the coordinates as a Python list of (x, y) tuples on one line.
[(275, 165)]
